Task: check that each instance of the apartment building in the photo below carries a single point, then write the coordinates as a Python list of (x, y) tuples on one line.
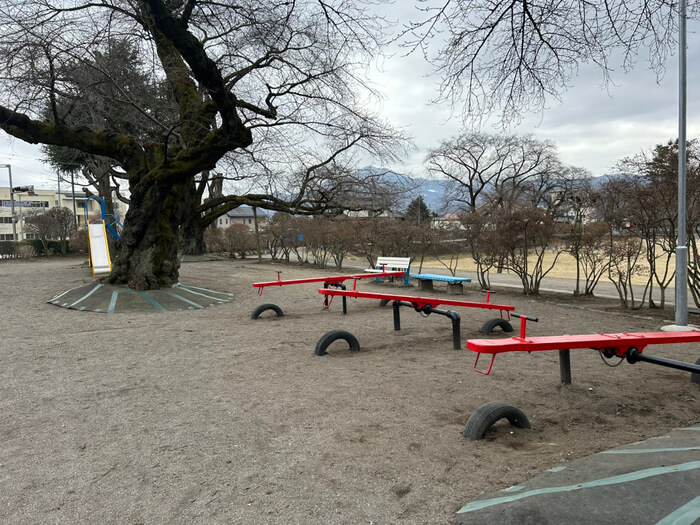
[(38, 201)]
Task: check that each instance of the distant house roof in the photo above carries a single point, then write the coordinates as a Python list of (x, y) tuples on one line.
[(246, 212)]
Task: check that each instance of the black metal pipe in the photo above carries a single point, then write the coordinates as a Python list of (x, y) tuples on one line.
[(456, 332), (326, 302), (427, 309), (565, 366), (345, 299), (456, 321), (634, 355)]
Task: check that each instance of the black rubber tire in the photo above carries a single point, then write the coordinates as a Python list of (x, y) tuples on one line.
[(383, 302), (264, 307), (497, 322), (486, 415), (333, 336)]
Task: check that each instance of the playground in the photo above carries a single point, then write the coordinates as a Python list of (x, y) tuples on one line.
[(209, 416)]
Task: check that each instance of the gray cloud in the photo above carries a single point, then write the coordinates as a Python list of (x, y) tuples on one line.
[(592, 127)]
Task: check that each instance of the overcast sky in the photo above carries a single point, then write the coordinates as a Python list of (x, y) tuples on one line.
[(592, 128)]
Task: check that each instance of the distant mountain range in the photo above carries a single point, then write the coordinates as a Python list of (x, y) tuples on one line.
[(433, 190)]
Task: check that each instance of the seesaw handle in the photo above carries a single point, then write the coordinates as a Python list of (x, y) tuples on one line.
[(525, 317), (523, 323)]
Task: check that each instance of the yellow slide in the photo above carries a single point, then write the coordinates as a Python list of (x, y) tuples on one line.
[(99, 251)]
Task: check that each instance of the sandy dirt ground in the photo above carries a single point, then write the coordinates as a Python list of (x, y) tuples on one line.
[(209, 416)]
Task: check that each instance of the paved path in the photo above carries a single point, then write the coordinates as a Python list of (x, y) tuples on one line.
[(549, 284), (653, 481)]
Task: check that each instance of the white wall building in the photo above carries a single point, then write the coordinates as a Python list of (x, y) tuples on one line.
[(242, 215), (27, 205)]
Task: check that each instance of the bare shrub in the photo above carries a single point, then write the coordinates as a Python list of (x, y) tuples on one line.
[(214, 240), (79, 241), (239, 240), (25, 251), (341, 241)]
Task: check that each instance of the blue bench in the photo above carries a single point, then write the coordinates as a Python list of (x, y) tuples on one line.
[(454, 284)]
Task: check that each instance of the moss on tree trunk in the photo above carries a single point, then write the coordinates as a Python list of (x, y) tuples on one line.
[(147, 256), (192, 228), (192, 237)]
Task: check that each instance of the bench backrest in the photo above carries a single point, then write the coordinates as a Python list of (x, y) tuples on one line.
[(395, 263), (400, 263)]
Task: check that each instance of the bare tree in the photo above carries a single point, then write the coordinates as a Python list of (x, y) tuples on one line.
[(342, 240), (102, 93), (367, 233), (317, 234), (482, 239), (449, 247), (513, 56), (55, 224), (623, 247), (237, 71), (577, 198), (652, 207), (43, 226), (527, 236), (512, 186), (624, 253), (593, 256), (693, 223), (479, 163), (239, 240)]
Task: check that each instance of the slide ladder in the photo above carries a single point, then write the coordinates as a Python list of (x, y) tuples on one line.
[(111, 223)]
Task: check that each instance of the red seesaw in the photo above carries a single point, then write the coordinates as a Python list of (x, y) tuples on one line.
[(428, 305), (624, 345), (332, 280)]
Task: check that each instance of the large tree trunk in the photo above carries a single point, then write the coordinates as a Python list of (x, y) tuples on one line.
[(192, 237), (192, 228), (147, 256)]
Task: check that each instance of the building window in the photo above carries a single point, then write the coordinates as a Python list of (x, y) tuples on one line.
[(39, 204), (5, 220), (30, 236), (6, 237)]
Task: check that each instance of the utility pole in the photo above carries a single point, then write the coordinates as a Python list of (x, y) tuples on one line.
[(12, 203), (681, 298), (257, 233), (75, 212)]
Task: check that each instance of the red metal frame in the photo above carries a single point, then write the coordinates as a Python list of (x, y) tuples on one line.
[(329, 281), (614, 344), (417, 302)]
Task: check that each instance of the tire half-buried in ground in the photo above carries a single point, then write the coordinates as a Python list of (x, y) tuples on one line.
[(328, 338), (487, 415), (497, 322), (264, 307)]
